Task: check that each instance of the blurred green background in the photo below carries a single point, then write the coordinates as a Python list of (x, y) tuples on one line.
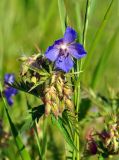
[(26, 25)]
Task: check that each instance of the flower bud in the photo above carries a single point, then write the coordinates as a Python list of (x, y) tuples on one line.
[(23, 58), (92, 147), (53, 79), (53, 96)]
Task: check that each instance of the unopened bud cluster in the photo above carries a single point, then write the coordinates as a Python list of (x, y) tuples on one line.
[(57, 95), (105, 142), (32, 68), (56, 92)]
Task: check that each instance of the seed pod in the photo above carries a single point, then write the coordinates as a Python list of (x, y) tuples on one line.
[(67, 91), (55, 110), (53, 93), (53, 96), (60, 81), (115, 145), (107, 142), (53, 79), (47, 109), (69, 104), (47, 97), (46, 90), (61, 106), (59, 89)]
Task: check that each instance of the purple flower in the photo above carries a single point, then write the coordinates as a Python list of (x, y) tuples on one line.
[(64, 49), (9, 78), (9, 91), (92, 147)]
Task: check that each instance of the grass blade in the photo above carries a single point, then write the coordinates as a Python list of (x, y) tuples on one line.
[(59, 123), (21, 147), (44, 140), (101, 65), (62, 12), (78, 18), (77, 99), (98, 34), (34, 120), (86, 22)]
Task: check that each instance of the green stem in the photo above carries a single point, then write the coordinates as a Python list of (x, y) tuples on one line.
[(44, 146), (74, 152), (16, 135), (85, 28), (35, 131), (76, 155), (37, 140), (77, 99), (77, 111), (85, 22), (62, 12)]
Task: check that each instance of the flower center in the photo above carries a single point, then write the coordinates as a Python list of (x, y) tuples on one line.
[(63, 46), (63, 50)]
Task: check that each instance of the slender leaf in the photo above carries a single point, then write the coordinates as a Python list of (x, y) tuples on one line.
[(62, 12), (34, 114), (26, 87), (34, 122), (101, 65), (59, 123), (21, 147), (78, 17), (86, 21), (98, 34), (27, 125), (44, 141)]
